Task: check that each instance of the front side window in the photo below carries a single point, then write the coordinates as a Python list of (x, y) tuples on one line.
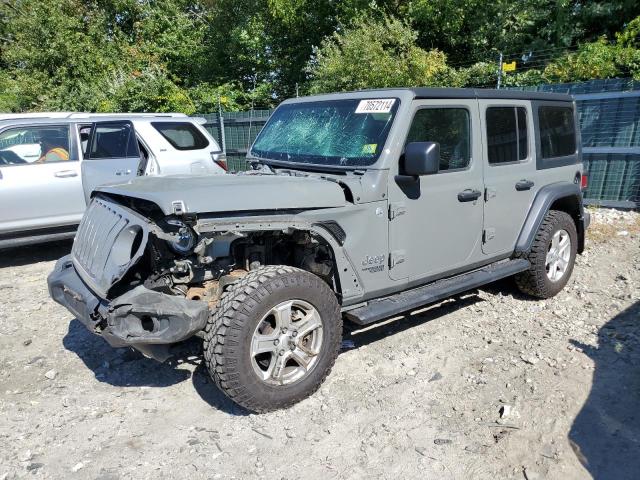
[(182, 135), (557, 131), (343, 133), (450, 128), (113, 140), (34, 145), (506, 134)]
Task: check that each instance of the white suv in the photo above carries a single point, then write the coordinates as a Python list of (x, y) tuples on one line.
[(51, 162)]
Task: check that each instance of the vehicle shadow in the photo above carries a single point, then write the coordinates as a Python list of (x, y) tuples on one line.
[(507, 287), (46, 252), (605, 435), (126, 367)]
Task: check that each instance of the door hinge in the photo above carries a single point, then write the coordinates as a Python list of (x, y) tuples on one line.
[(488, 234), (396, 209), (489, 193), (396, 257)]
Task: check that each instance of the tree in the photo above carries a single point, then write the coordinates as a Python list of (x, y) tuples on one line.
[(374, 54), (107, 56), (187, 55)]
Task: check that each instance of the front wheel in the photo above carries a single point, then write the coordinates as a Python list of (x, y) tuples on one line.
[(273, 338), (552, 256)]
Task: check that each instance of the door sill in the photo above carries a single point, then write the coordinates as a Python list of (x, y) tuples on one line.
[(386, 307)]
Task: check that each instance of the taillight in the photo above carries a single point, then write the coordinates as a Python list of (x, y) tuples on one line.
[(220, 159), (584, 181)]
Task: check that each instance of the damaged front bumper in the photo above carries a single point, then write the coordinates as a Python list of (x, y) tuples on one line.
[(141, 318)]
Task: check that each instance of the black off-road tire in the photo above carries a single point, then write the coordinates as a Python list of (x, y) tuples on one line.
[(535, 281), (228, 335)]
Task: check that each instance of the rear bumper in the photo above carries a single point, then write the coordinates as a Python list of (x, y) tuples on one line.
[(140, 318)]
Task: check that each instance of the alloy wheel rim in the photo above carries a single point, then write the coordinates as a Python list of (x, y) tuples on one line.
[(558, 255), (286, 343)]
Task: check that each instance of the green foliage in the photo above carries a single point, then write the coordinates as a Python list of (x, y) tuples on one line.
[(600, 59), (191, 55), (593, 60), (374, 54), (630, 36), (480, 74)]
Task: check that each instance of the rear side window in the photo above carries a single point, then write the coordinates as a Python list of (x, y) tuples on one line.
[(113, 140), (557, 131), (507, 139), (450, 128), (182, 135)]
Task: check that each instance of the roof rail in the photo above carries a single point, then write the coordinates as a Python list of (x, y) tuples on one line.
[(20, 116), (127, 115)]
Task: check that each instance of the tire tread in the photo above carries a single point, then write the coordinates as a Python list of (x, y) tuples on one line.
[(228, 316), (534, 281)]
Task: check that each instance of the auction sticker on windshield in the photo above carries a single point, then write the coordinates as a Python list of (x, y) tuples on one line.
[(375, 105)]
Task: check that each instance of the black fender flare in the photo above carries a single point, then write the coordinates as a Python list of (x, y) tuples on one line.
[(545, 198)]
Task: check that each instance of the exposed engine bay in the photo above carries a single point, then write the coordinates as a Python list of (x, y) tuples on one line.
[(182, 262)]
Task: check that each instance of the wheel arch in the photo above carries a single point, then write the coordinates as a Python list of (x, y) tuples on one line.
[(562, 196), (348, 284)]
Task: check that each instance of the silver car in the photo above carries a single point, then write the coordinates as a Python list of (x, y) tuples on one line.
[(51, 162)]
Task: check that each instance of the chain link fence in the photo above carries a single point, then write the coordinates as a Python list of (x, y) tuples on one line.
[(235, 132)]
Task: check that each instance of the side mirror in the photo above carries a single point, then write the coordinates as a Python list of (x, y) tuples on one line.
[(421, 158)]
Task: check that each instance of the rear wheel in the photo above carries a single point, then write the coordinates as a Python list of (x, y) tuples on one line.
[(273, 338), (552, 256)]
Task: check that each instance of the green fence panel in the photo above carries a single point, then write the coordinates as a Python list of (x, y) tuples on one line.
[(614, 178), (235, 132)]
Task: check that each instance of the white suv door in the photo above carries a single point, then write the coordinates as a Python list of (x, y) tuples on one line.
[(112, 155), (40, 183)]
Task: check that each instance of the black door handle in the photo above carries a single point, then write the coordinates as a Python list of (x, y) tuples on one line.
[(524, 185), (469, 195)]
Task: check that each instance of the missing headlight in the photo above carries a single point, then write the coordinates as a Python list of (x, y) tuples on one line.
[(185, 238)]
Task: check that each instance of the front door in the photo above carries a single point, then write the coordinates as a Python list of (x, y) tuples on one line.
[(510, 172), (40, 185), (112, 155), (435, 224)]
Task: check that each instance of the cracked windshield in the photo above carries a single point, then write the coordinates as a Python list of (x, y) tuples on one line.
[(347, 133)]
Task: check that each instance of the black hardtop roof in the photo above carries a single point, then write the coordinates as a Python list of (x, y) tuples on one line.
[(487, 93)]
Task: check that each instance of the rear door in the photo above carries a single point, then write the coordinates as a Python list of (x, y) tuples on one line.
[(112, 155), (509, 171), (40, 184)]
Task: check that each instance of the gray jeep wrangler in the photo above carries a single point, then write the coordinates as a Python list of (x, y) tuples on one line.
[(358, 206)]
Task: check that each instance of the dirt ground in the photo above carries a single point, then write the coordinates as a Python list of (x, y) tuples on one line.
[(489, 386)]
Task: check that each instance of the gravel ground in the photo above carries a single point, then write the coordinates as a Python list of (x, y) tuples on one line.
[(491, 385)]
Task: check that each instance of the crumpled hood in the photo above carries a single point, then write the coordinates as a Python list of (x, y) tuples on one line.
[(228, 193)]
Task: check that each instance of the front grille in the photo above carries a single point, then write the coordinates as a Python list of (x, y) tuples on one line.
[(95, 236), (100, 228)]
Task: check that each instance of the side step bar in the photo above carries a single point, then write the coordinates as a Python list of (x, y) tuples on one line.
[(386, 307)]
